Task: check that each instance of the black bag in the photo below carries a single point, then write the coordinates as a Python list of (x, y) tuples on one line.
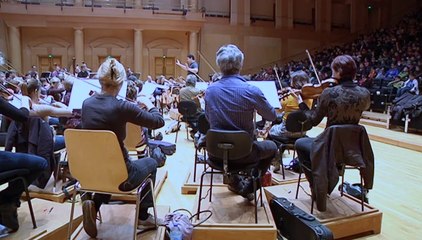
[(167, 148), (294, 223), (354, 190)]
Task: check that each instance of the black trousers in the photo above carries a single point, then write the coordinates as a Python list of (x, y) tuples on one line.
[(303, 148)]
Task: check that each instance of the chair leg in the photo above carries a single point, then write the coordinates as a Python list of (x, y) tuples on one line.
[(282, 168), (260, 193), (31, 210), (211, 181), (154, 207), (72, 209), (194, 165), (200, 194), (312, 205), (187, 131), (138, 203), (255, 202), (177, 131), (298, 184), (205, 159), (362, 195), (342, 183)]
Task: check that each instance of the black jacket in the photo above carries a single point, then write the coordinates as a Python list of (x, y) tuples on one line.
[(338, 144), (34, 137)]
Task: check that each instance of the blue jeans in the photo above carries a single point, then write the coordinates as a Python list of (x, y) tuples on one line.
[(12, 161), (137, 170), (59, 142)]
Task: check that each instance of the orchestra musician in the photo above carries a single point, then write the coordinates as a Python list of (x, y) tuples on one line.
[(191, 66), (191, 93), (9, 197), (342, 104), (290, 104), (104, 111), (230, 104)]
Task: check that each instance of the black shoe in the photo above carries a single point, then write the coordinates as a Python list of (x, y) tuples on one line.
[(158, 136), (89, 218), (9, 216)]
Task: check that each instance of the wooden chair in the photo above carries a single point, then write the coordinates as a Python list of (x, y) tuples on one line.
[(134, 139), (96, 161), (229, 146)]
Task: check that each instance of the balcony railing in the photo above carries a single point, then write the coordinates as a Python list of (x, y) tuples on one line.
[(163, 5)]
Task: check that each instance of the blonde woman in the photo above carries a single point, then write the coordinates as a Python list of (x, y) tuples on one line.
[(104, 111)]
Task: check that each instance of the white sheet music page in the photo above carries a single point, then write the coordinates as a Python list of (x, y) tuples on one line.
[(85, 88)]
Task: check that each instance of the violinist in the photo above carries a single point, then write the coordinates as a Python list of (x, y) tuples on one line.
[(342, 104), (104, 111), (9, 197), (290, 104), (191, 93)]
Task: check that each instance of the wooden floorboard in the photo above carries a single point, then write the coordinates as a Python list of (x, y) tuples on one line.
[(396, 186)]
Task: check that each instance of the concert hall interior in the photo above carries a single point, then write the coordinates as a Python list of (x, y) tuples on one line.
[(201, 119)]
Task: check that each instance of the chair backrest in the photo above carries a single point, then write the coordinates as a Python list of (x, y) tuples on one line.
[(95, 159), (298, 122), (353, 139), (187, 108), (133, 136), (203, 124), (240, 140)]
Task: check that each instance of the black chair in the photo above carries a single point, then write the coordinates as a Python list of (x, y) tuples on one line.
[(296, 122), (229, 146), (200, 144), (345, 163), (17, 175), (188, 110)]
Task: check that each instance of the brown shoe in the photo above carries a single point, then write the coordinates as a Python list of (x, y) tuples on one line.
[(89, 218)]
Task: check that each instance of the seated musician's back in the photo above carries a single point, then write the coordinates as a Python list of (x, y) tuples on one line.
[(230, 104)]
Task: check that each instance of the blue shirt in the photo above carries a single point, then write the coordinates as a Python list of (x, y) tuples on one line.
[(230, 104)]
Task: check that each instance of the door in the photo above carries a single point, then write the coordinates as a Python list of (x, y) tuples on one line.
[(101, 59), (165, 66), (48, 63)]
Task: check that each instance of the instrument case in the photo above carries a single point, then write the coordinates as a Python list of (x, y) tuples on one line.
[(295, 224)]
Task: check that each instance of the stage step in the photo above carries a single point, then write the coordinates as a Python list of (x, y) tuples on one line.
[(373, 123)]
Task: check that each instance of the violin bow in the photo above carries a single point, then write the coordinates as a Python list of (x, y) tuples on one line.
[(278, 78), (313, 66), (206, 61)]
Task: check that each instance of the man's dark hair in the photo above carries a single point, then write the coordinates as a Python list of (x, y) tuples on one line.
[(191, 56)]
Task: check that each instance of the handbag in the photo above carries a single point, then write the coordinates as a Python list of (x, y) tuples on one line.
[(179, 225)]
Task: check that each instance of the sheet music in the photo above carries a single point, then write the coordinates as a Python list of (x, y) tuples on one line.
[(202, 86), (269, 90), (148, 88), (83, 87)]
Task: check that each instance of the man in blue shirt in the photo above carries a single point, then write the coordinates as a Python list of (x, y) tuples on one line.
[(191, 66), (230, 104)]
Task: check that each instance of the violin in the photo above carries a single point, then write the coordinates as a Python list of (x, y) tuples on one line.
[(309, 90), (7, 93)]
